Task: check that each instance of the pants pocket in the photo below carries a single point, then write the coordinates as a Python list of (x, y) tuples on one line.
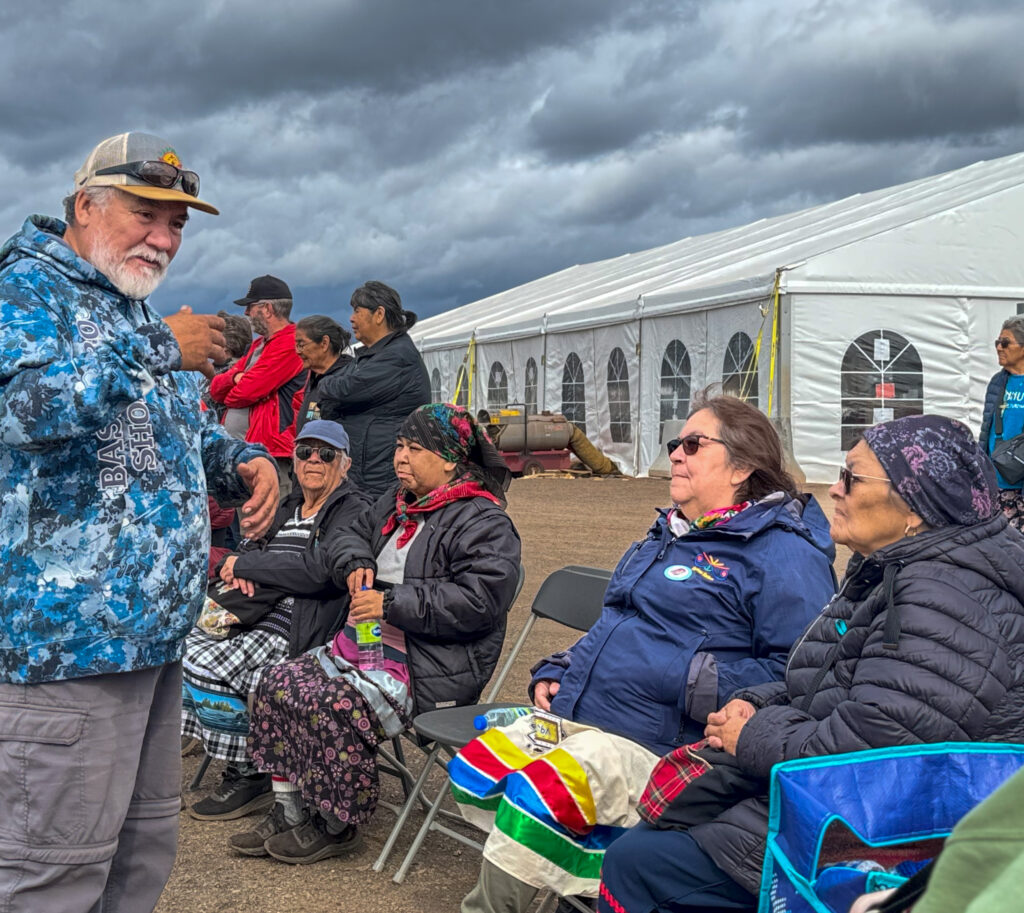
[(43, 772)]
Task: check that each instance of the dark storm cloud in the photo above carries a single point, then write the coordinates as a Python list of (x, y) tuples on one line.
[(455, 149)]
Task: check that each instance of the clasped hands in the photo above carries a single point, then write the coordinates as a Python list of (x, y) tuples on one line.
[(723, 728)]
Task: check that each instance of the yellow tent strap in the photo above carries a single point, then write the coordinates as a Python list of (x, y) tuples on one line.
[(750, 377), (775, 344), (464, 376)]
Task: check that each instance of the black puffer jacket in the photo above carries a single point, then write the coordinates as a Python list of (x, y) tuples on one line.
[(950, 604), (320, 606), (371, 398), (460, 577), (993, 395)]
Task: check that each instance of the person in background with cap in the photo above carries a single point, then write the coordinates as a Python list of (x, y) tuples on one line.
[(103, 532), (263, 389), (286, 604), (386, 383)]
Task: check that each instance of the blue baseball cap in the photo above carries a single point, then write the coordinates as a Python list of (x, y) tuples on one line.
[(323, 430)]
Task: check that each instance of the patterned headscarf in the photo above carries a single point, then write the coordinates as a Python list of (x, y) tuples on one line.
[(452, 433), (937, 467)]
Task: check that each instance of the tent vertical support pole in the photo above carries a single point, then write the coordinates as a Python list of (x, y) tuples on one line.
[(639, 413)]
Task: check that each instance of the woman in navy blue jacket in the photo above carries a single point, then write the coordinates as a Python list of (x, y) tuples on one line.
[(708, 603)]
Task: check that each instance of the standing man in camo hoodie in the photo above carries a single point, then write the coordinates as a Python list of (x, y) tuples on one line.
[(106, 458)]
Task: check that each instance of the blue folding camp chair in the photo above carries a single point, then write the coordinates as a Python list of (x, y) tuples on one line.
[(838, 824)]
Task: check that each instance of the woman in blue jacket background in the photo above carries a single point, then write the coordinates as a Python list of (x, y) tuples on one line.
[(710, 601)]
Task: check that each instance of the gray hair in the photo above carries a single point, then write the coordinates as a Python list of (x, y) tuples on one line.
[(1015, 325), (237, 333), (101, 196), (282, 307)]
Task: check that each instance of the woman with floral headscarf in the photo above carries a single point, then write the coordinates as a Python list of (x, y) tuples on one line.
[(923, 643), (436, 563)]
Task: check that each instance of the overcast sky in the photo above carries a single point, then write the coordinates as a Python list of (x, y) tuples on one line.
[(456, 149)]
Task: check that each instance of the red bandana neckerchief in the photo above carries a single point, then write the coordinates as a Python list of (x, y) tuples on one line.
[(455, 490)]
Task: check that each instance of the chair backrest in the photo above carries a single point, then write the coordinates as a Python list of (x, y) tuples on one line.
[(573, 596)]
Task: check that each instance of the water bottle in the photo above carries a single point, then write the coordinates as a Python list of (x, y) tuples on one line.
[(500, 716), (370, 644)]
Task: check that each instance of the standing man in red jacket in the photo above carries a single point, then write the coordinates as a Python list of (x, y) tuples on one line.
[(268, 380)]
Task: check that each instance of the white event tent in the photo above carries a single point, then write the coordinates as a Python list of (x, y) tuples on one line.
[(830, 319)]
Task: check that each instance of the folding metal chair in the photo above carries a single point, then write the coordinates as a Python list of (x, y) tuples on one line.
[(572, 596)]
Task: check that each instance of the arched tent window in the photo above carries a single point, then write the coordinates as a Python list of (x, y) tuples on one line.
[(574, 400), (497, 387), (675, 384), (461, 395), (739, 369), (435, 386), (882, 379), (618, 398), (530, 387)]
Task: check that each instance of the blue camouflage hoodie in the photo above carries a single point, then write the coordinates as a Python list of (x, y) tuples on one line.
[(103, 523), (690, 619)]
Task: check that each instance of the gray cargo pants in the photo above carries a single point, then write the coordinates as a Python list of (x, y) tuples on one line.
[(90, 779)]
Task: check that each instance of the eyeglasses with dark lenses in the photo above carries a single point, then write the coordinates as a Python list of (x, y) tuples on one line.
[(304, 452), (1004, 343), (690, 443), (159, 174), (847, 478)]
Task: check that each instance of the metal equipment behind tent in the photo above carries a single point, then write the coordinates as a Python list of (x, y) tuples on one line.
[(535, 443)]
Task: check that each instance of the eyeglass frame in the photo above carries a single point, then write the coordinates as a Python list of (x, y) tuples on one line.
[(689, 440), (326, 454), (1002, 343), (847, 477), (134, 169)]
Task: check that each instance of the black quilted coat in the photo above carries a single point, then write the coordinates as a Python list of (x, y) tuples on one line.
[(460, 577), (923, 643)]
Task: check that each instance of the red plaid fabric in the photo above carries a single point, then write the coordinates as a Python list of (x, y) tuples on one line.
[(671, 775)]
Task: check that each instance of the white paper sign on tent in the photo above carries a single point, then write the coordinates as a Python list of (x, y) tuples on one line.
[(881, 415), (881, 349)]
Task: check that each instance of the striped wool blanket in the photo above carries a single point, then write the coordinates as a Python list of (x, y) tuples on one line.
[(552, 814)]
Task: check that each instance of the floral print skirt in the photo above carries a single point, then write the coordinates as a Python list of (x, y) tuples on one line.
[(1012, 503), (321, 735)]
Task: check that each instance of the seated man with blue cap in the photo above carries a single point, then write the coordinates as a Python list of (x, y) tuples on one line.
[(274, 602)]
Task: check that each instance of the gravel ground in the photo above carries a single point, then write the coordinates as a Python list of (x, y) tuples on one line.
[(562, 521)]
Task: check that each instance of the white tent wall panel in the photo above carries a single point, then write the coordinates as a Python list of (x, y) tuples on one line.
[(487, 356), (559, 347), (689, 329), (522, 351), (826, 328), (624, 337), (723, 324)]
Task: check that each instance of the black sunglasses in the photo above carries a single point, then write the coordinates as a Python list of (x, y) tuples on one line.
[(847, 478), (690, 443), (1004, 343), (159, 174), (304, 452)]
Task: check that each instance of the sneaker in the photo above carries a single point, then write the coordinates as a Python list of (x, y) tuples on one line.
[(310, 842), (250, 843), (236, 797)]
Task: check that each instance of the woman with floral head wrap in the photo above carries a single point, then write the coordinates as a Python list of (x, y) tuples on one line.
[(923, 643), (435, 563)]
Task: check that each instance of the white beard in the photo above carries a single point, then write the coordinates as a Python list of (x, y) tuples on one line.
[(127, 281)]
